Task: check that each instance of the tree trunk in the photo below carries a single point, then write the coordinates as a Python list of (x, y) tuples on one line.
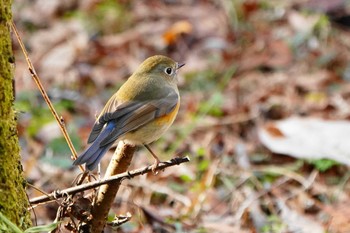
[(13, 200)]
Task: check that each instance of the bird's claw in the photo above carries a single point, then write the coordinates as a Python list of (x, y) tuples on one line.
[(155, 166)]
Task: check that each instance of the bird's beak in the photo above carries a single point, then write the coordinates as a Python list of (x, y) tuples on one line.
[(180, 65)]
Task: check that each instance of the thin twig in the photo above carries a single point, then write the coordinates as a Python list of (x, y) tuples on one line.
[(131, 174), (36, 78), (37, 189), (227, 121)]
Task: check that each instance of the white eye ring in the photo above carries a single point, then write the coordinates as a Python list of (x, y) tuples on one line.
[(168, 70)]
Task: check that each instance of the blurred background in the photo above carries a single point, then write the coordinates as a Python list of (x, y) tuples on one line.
[(264, 108)]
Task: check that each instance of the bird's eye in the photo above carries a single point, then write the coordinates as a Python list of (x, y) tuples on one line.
[(168, 71)]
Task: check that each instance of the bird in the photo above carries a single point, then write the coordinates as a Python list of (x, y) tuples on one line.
[(139, 113)]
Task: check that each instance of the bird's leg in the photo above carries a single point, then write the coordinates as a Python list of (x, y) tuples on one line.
[(156, 162)]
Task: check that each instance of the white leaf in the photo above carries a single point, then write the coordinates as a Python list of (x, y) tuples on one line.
[(308, 138)]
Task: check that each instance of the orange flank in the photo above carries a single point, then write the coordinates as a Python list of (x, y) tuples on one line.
[(169, 118)]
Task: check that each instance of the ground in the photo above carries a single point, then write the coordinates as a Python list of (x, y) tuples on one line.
[(248, 64)]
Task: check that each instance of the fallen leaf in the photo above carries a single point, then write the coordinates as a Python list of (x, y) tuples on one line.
[(177, 29), (273, 130), (301, 22), (298, 222), (309, 138), (339, 217)]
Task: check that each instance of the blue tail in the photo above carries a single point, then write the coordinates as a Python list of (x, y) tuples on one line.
[(93, 154)]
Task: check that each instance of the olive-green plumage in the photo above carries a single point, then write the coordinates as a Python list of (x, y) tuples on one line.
[(139, 113)]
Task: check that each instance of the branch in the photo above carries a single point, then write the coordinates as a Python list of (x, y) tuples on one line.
[(36, 78), (125, 175), (119, 163)]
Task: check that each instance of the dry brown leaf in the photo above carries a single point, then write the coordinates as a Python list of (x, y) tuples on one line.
[(273, 130), (314, 81), (298, 222), (177, 29), (338, 217)]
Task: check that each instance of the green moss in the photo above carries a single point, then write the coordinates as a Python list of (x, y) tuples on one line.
[(13, 200)]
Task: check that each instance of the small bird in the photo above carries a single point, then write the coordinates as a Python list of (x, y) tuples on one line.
[(143, 108)]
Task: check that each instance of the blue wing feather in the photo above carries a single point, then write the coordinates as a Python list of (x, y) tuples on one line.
[(94, 153)]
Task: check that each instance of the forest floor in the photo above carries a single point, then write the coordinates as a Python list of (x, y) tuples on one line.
[(264, 92)]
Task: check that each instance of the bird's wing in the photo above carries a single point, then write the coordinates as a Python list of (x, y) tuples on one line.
[(112, 110), (131, 115)]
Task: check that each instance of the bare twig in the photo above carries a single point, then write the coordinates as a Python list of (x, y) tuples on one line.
[(116, 178), (227, 121), (36, 78), (120, 220)]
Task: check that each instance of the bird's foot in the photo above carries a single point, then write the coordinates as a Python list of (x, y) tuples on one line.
[(155, 166)]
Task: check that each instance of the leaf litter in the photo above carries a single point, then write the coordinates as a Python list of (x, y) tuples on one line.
[(251, 66)]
